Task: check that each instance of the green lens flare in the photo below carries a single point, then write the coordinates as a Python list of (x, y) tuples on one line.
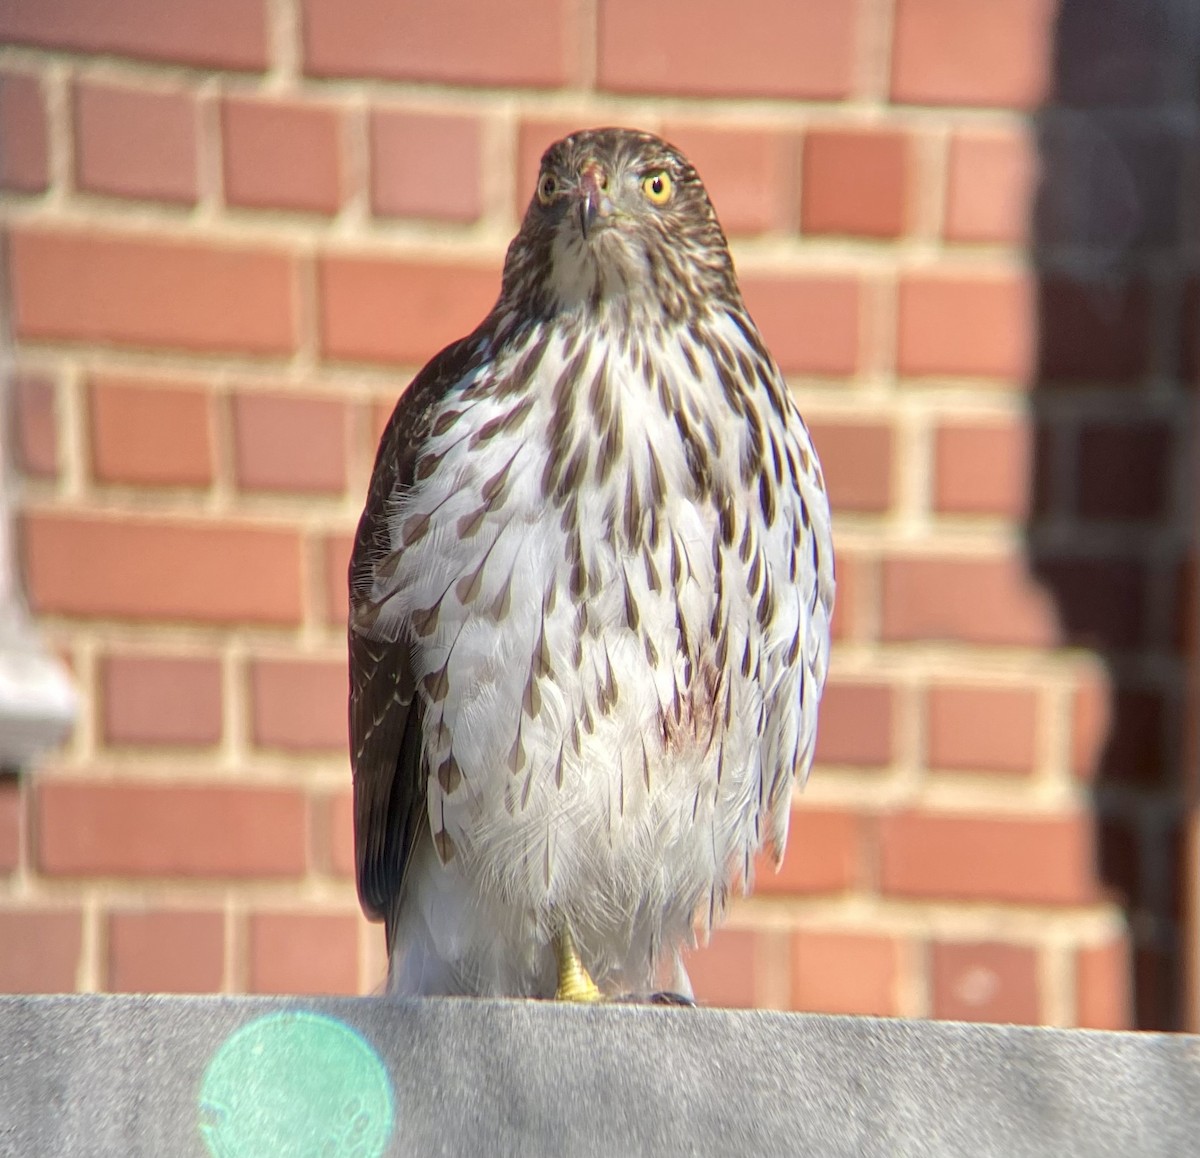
[(296, 1085)]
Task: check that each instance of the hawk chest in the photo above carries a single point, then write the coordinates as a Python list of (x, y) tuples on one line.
[(595, 587)]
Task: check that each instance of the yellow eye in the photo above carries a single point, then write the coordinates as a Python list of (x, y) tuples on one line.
[(546, 189), (657, 187)]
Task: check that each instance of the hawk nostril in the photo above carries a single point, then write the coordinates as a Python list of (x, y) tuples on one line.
[(595, 175)]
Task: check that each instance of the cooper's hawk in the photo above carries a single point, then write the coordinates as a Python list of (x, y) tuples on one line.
[(590, 603)]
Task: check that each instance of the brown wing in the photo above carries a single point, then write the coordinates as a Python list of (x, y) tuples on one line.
[(385, 715)]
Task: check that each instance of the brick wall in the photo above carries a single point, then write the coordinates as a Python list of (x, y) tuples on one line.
[(234, 229)]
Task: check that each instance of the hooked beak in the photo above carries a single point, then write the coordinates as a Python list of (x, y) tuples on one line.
[(593, 197)]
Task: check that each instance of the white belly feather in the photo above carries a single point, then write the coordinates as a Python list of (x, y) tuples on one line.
[(581, 762)]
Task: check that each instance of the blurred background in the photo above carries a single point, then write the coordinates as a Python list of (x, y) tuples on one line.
[(233, 230)]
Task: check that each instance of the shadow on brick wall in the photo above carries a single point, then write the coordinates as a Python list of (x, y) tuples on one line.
[(1115, 228)]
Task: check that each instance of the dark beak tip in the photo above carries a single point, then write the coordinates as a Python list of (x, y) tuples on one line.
[(589, 209)]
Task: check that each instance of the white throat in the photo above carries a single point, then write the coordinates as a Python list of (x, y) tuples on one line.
[(605, 269)]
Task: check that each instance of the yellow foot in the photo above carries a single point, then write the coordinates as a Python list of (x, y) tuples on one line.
[(574, 983)]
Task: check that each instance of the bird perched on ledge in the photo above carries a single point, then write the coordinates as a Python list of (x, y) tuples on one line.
[(590, 604)]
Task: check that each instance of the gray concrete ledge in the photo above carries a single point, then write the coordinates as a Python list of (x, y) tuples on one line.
[(145, 1075)]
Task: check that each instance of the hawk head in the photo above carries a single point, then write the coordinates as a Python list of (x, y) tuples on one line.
[(619, 223)]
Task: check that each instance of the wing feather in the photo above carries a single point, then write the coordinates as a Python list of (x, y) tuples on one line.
[(390, 783)]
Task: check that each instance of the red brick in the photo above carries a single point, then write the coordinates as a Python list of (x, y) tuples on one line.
[(150, 434), (149, 291), (1094, 332), (855, 582), (976, 326), (723, 971), (134, 142), (855, 724), (748, 173), (467, 42), (299, 705), (983, 469), (308, 953), (166, 952), (985, 982), (381, 415), (1091, 719), (116, 828), (337, 587), (1043, 860), (855, 183), (988, 601), (1125, 471), (340, 817), (24, 153), (10, 821), (285, 443), (1103, 997), (825, 852), (982, 729), (35, 426), (534, 136), (320, 833), (770, 48), (42, 948), (281, 156), (207, 33), (157, 699), (426, 165), (810, 322), (398, 311), (857, 460), (989, 186), (845, 973), (150, 569), (991, 52)]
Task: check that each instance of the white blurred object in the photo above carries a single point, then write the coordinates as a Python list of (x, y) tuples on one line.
[(38, 702)]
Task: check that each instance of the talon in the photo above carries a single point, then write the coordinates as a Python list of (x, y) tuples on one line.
[(574, 982), (666, 997)]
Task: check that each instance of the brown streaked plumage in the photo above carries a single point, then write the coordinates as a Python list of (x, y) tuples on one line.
[(590, 602)]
